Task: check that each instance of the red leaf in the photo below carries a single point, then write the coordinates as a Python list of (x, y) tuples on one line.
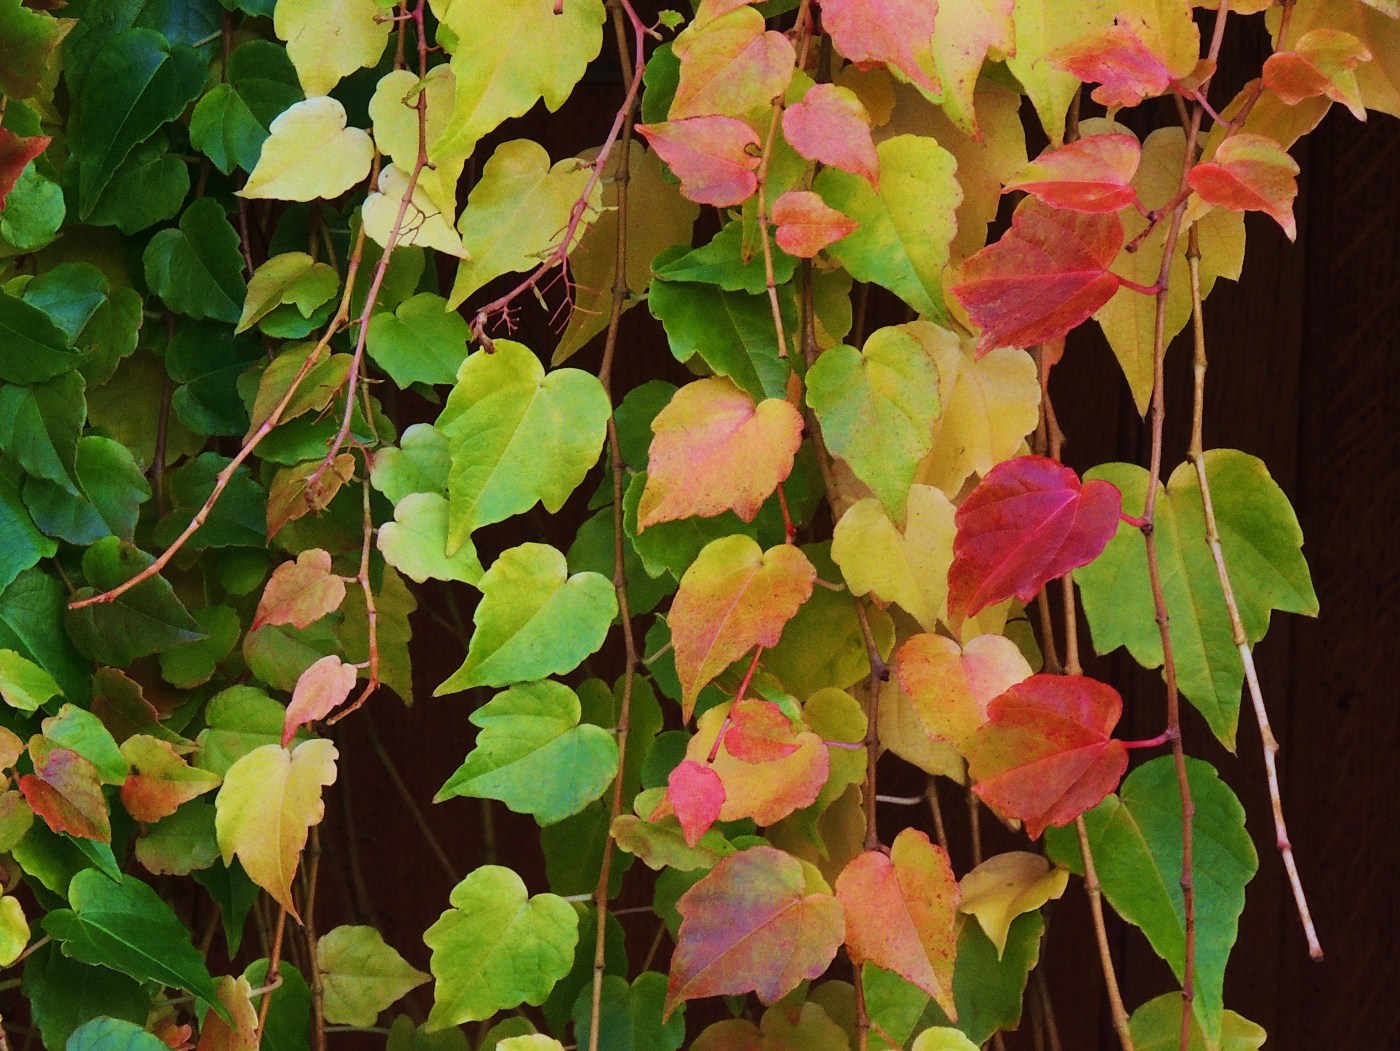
[(65, 790), (321, 689), (301, 592), (696, 794), (755, 924), (1028, 522), (714, 157), (15, 154), (807, 224), (1046, 275), (898, 33), (829, 125), (759, 732), (1250, 173), (1045, 755), (1321, 63), (1123, 66), (1092, 174)]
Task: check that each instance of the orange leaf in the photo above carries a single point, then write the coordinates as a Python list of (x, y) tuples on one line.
[(754, 923), (806, 224), (1092, 174), (730, 65), (161, 780), (901, 913), (15, 154), (714, 157), (829, 125), (898, 33), (951, 686), (321, 689), (218, 1035), (759, 732), (713, 450), (1250, 173), (1123, 66), (1321, 63), (765, 791), (696, 795), (1045, 755), (65, 790), (300, 592)]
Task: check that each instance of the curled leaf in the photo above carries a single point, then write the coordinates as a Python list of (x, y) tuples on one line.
[(1092, 174)]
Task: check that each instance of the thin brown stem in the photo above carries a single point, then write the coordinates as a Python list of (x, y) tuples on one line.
[(274, 970), (940, 830), (371, 608), (762, 222), (974, 821), (862, 1011), (1110, 977), (879, 674), (313, 968)]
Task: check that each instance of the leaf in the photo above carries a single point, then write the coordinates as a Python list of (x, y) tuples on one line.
[(533, 620), (734, 596), (1041, 27), (966, 33), (65, 994), (730, 65), (14, 929), (231, 121), (23, 684), (35, 348), (361, 975), (1006, 886), (292, 496), (1027, 522), (904, 231), (1126, 69), (310, 153), (1250, 172), (534, 756), (286, 293), (783, 1027), (415, 542), (426, 223), (1156, 1026), (328, 40), (877, 409), (1092, 174), (715, 450), (181, 844), (1046, 275), (419, 342), (830, 126), (901, 913), (696, 794), (39, 426), (950, 687), (517, 436), (16, 152), (113, 1034), (1135, 837), (269, 800), (631, 1017), (197, 270), (714, 157), (898, 33), (320, 690), (758, 921), (23, 544), (496, 948), (805, 225), (216, 1034), (66, 791), (30, 606), (161, 781), (1321, 62), (1260, 538), (300, 592), (30, 40), (1046, 754)]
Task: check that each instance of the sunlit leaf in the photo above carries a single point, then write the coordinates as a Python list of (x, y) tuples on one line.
[(950, 686), (310, 153), (896, 32), (730, 65), (1322, 62), (161, 780), (1006, 886), (967, 33), (1250, 172), (66, 791), (715, 157), (320, 690), (1125, 69), (330, 39), (1092, 174), (830, 125), (1156, 1026)]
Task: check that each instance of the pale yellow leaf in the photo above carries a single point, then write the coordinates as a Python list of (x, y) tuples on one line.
[(14, 930), (242, 1035), (964, 33), (424, 224), (393, 113), (1169, 32), (903, 733), (330, 39), (1007, 885), (1041, 27), (310, 154)]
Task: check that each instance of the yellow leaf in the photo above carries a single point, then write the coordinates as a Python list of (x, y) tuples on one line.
[(242, 1035), (269, 800), (393, 112), (330, 39), (1041, 27), (1169, 32), (424, 223), (767, 791), (964, 31), (949, 686), (14, 930), (1007, 885), (310, 154), (1379, 79), (903, 733)]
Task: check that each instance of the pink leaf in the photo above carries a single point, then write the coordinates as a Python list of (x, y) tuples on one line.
[(1093, 174), (1123, 66), (65, 790), (696, 794), (1250, 173), (714, 157), (898, 33), (321, 689), (806, 224), (301, 592), (759, 732), (829, 125)]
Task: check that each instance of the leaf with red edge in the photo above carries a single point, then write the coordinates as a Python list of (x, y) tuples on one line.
[(1046, 755), (1027, 522), (734, 596), (160, 781), (950, 686), (901, 913), (806, 224), (1250, 173), (760, 921), (898, 33), (1322, 62), (1092, 174), (766, 791), (715, 158), (16, 152), (1047, 274), (830, 125), (696, 795), (301, 592), (1125, 68), (714, 450), (759, 732), (730, 65), (65, 790), (321, 689)]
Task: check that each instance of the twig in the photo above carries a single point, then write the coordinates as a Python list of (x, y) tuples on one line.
[(1110, 977), (371, 609), (274, 970), (940, 830), (879, 673)]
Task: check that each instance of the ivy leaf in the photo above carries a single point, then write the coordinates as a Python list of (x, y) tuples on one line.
[(1125, 68), (144, 620), (901, 913), (534, 756), (905, 229), (1046, 275), (14, 929), (16, 152), (1250, 172), (714, 450), (415, 542), (950, 687), (112, 1034), (66, 791), (35, 348), (734, 596), (328, 40), (23, 544), (877, 408), (1041, 27), (206, 361), (1046, 754), (517, 436), (805, 225), (426, 223), (497, 948), (1027, 522), (102, 322), (1156, 1026), (40, 424), (1135, 837), (898, 33), (232, 120), (829, 125), (161, 781), (533, 620), (730, 65), (241, 1035), (758, 921), (197, 270), (310, 153), (422, 341), (30, 606), (320, 690), (65, 993), (696, 794), (31, 38), (361, 975), (270, 780), (728, 262), (287, 293), (1006, 886), (942, 1038), (1321, 62), (393, 111), (966, 31), (714, 157), (300, 592), (1092, 174), (23, 684), (783, 1026), (239, 720), (630, 1017)]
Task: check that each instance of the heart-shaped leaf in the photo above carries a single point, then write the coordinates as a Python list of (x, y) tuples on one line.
[(1321, 62), (829, 125), (320, 690), (66, 791), (300, 592), (696, 795), (1250, 172), (730, 65), (898, 33), (310, 154), (1006, 886), (950, 687), (805, 224), (361, 975)]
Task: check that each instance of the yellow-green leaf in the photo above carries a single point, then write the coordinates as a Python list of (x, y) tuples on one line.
[(310, 153), (361, 975), (1007, 885), (330, 39)]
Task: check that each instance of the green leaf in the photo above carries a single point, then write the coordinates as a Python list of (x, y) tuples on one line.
[(420, 342), (239, 720), (34, 212), (136, 83), (518, 436), (149, 187), (197, 270), (39, 426), (1135, 837), (31, 619), (30, 38), (330, 39), (127, 927), (497, 948), (115, 489), (415, 542), (533, 620), (112, 1034), (101, 322), (234, 893), (594, 550), (533, 755), (79, 730), (206, 360), (877, 408), (35, 348), (193, 664), (630, 1017), (1260, 537), (23, 684), (1156, 1026), (289, 1017), (419, 464), (21, 543), (670, 547), (64, 994), (405, 1036), (361, 975), (144, 620), (230, 123), (181, 843), (14, 929), (726, 263), (905, 229), (286, 293), (239, 517)]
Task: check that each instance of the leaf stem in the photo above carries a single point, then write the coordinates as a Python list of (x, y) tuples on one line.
[(274, 970), (879, 673)]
